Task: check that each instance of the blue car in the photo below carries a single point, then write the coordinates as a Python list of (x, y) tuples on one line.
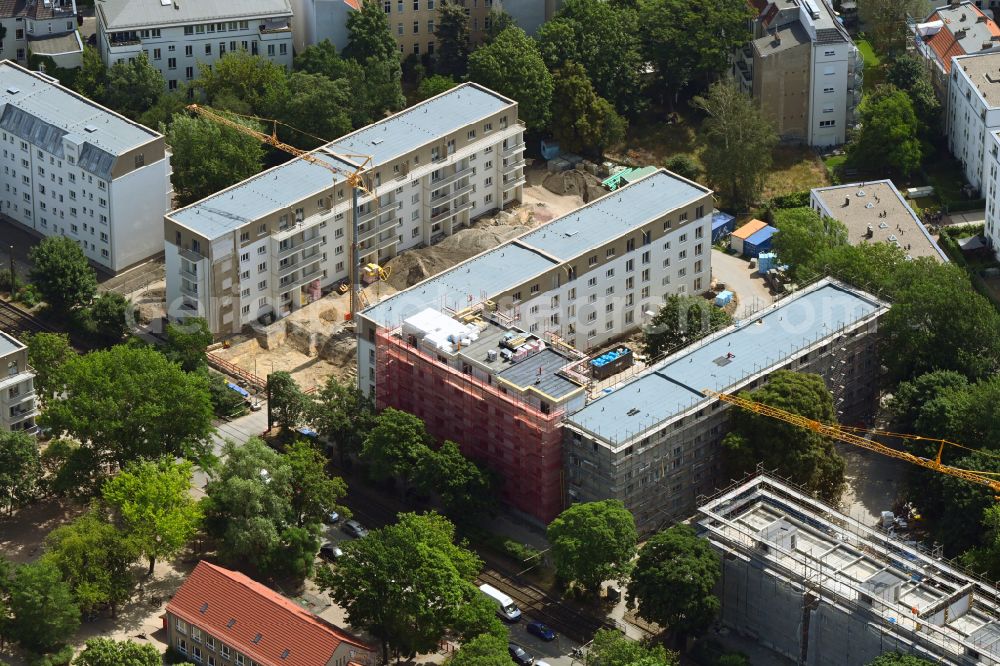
[(542, 631)]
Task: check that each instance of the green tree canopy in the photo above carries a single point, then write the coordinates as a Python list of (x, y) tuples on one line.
[(61, 273), (133, 86), (314, 493), (404, 583), (92, 78), (674, 578), (485, 650), (512, 66), (433, 85), (44, 614), (342, 414), (286, 401), (581, 121), (318, 106), (20, 470), (612, 648), (680, 321), (497, 21), (187, 341), (112, 316), (739, 143), (808, 458), (208, 157), (154, 505), (899, 659), (129, 403), (392, 446), (95, 558), (803, 234), (593, 542), (467, 491), (109, 652), (369, 34), (683, 165), (886, 22), (691, 43), (908, 402), (889, 137), (452, 35), (320, 58), (47, 354), (243, 83)]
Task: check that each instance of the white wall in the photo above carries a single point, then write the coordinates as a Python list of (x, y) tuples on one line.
[(830, 63), (316, 20), (966, 128), (991, 191), (137, 202)]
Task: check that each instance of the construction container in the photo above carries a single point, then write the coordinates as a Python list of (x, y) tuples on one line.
[(724, 298), (766, 261), (611, 363)]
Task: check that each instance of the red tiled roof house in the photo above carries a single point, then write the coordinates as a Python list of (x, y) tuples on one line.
[(223, 618), (955, 30)]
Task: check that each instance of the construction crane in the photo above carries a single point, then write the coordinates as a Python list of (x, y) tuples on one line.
[(354, 178), (861, 437)]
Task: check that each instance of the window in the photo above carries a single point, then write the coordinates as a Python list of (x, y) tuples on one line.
[(399, 29), (592, 282), (416, 5), (270, 50), (416, 49), (189, 73), (157, 54), (244, 236), (262, 285), (283, 49), (610, 252), (829, 53), (828, 90), (827, 123), (416, 27), (387, 6), (196, 634), (245, 256), (180, 625), (189, 51), (171, 63), (261, 267), (225, 648)]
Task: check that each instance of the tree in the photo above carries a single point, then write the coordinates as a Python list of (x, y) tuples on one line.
[(60, 272), (497, 21), (886, 22), (452, 35), (512, 66), (342, 414), (112, 316), (613, 648), (593, 542), (889, 137), (808, 458), (169, 104), (154, 505), (404, 583), (92, 79), (321, 58), (47, 354), (244, 83), (899, 659), (691, 43), (208, 157), (391, 447), (285, 400), (43, 612), (377, 86), (485, 650), (582, 121), (434, 85), (603, 37), (674, 578), (108, 652), (129, 403), (680, 321), (369, 34), (187, 341), (802, 234), (683, 165), (908, 402), (133, 86), (907, 72), (466, 490), (314, 494), (317, 106), (95, 559), (739, 143), (20, 470)]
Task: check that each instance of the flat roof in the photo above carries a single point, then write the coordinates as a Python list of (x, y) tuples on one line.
[(541, 373), (749, 229), (786, 37), (46, 112), (857, 561), (406, 131), (725, 360), (517, 261), (9, 343), (57, 45), (125, 14), (900, 225), (983, 71)]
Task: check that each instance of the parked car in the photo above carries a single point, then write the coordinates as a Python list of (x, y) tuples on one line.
[(541, 630), (331, 517), (330, 551), (355, 529), (520, 655)]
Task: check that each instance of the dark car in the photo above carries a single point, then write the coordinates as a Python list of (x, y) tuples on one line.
[(354, 528), (330, 551), (520, 655), (541, 630)]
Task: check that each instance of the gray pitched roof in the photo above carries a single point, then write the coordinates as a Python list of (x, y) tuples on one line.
[(130, 14)]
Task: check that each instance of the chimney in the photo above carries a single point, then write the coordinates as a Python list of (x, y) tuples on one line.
[(777, 37), (981, 18), (960, 34), (962, 18)]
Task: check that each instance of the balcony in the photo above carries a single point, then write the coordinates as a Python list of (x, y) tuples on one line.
[(308, 275), (511, 149), (516, 164), (449, 178), (191, 255), (441, 199), (372, 229), (377, 213), (455, 209), (291, 248), (511, 184), (189, 288), (270, 27), (190, 273)]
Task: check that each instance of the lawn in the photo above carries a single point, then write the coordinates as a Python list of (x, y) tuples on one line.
[(871, 58), (796, 168), (946, 177)]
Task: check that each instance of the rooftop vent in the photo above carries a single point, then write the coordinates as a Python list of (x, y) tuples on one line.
[(204, 607), (232, 621), (256, 639), (633, 411), (166, 3), (285, 653), (13, 91), (90, 128)]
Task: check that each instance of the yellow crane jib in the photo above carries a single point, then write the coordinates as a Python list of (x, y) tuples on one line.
[(862, 437)]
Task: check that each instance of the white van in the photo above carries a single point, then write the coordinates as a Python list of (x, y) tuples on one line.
[(506, 609)]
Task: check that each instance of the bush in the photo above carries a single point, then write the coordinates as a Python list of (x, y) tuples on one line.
[(793, 200), (503, 545), (60, 658), (28, 295)]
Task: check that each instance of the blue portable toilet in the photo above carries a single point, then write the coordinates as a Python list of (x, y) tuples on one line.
[(759, 242), (722, 225)]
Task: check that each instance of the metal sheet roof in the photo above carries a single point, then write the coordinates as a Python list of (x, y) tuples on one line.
[(124, 14), (611, 216), (40, 111), (258, 196), (762, 235), (756, 344), (517, 261), (408, 130)]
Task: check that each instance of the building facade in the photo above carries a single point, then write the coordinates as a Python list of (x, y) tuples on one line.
[(17, 387), (43, 27), (952, 30), (220, 617), (654, 442), (973, 111), (179, 36), (272, 243), (819, 588), (76, 169), (802, 70), (991, 191)]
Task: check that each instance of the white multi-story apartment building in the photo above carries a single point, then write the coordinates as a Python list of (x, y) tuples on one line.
[(272, 243), (42, 27), (973, 111), (991, 190), (76, 169), (178, 35), (802, 70), (17, 386)]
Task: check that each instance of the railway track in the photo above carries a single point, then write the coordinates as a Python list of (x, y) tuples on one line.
[(17, 322)]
